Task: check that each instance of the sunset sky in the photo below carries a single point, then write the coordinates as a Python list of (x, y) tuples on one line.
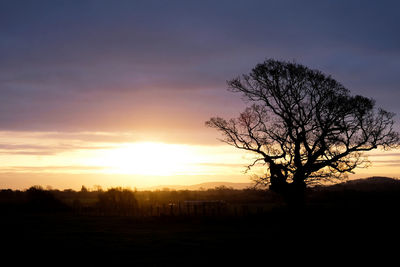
[(116, 93)]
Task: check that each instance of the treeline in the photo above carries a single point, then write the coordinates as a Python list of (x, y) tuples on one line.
[(375, 192), (126, 202)]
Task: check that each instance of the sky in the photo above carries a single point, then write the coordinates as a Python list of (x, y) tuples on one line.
[(87, 87)]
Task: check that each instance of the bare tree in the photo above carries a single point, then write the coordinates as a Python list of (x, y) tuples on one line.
[(304, 126)]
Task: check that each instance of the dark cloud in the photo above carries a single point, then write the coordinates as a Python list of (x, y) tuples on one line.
[(386, 154), (162, 65), (42, 150), (35, 169), (387, 159)]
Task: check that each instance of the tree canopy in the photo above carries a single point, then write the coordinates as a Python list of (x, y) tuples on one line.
[(303, 125)]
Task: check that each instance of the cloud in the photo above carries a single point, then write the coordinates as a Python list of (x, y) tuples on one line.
[(47, 143), (136, 66), (51, 149), (56, 169), (384, 154)]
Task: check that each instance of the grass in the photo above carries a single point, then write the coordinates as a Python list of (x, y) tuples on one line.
[(192, 242), (343, 227)]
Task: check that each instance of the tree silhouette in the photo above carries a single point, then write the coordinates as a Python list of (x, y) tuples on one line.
[(304, 126), (118, 201)]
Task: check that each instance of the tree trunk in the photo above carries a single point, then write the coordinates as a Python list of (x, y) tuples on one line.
[(293, 193), (296, 194)]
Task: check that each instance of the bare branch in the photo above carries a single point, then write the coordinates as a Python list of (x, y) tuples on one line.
[(304, 125)]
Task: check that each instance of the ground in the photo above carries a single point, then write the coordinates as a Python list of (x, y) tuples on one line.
[(346, 224), (281, 235)]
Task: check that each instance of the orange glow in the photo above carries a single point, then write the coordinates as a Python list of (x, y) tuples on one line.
[(148, 158), (69, 161)]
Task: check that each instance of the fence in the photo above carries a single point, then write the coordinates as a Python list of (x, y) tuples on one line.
[(189, 208)]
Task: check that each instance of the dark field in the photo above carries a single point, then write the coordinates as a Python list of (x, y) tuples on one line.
[(352, 224)]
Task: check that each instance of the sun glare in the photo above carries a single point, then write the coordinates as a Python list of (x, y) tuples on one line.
[(148, 158)]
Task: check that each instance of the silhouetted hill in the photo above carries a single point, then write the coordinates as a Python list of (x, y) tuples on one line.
[(367, 194), (209, 185), (375, 183), (364, 184)]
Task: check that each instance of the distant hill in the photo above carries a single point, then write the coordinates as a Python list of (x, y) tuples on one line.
[(375, 183), (205, 186)]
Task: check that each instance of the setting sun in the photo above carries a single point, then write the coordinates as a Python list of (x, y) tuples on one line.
[(147, 158), (162, 159)]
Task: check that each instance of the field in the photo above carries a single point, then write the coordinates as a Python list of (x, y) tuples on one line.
[(355, 223)]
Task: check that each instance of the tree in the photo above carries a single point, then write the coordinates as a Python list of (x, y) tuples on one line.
[(118, 201), (304, 126)]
